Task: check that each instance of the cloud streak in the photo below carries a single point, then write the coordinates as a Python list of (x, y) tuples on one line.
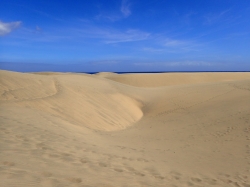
[(213, 18), (114, 16), (125, 8), (112, 36), (173, 43), (174, 64), (169, 45), (6, 28), (127, 36)]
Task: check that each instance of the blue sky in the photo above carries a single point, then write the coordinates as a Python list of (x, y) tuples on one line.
[(125, 35)]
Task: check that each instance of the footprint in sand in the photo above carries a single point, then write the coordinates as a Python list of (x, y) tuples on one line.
[(139, 173), (7, 163), (66, 154), (75, 180), (190, 184), (103, 164), (53, 155), (210, 181), (84, 161), (142, 160), (158, 177), (46, 174), (197, 180), (118, 170)]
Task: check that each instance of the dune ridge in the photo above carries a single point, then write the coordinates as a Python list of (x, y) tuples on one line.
[(106, 129), (94, 98)]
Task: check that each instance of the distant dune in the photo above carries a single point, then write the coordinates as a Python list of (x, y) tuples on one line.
[(167, 79), (107, 129)]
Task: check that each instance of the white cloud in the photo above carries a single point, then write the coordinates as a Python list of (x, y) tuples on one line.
[(153, 50), (108, 17), (125, 8), (114, 16), (112, 36), (6, 28), (173, 43), (38, 28), (128, 36), (104, 62), (174, 64), (168, 45), (196, 63), (213, 18)]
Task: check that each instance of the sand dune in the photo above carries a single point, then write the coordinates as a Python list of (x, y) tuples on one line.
[(167, 79), (175, 129)]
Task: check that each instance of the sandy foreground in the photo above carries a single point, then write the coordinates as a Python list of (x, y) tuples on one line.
[(110, 130)]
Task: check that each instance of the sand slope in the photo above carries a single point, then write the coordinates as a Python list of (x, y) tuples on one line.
[(63, 129)]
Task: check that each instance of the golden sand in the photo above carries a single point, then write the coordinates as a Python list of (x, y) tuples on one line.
[(169, 130)]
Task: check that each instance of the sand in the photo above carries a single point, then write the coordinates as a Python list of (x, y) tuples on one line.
[(169, 130)]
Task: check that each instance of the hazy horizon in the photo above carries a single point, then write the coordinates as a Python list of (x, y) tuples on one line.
[(91, 67)]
